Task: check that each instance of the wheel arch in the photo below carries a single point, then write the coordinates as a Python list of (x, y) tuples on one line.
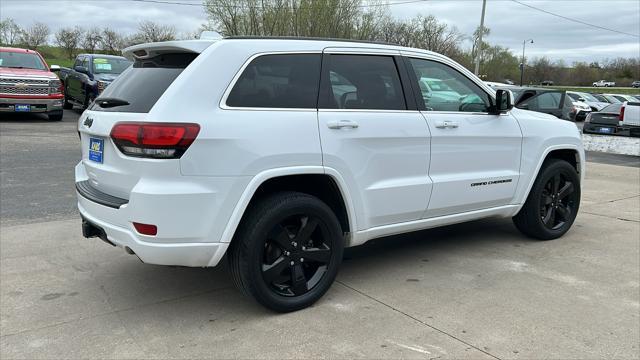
[(571, 153), (324, 183)]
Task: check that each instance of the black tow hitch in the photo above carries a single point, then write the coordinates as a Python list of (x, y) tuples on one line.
[(89, 230)]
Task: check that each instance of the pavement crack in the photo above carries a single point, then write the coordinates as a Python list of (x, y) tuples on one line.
[(610, 217), (416, 319)]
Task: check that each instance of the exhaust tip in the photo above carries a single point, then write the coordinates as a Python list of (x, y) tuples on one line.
[(129, 251)]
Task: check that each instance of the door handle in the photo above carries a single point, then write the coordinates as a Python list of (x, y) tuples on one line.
[(446, 124), (342, 124)]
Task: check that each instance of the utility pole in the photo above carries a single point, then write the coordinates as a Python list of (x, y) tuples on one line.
[(524, 43), (479, 46)]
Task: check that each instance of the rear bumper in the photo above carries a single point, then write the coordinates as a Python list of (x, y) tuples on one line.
[(41, 105), (595, 128), (187, 214), (181, 254)]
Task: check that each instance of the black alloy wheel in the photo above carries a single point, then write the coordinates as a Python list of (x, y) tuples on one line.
[(286, 251), (553, 202), (557, 202), (296, 255)]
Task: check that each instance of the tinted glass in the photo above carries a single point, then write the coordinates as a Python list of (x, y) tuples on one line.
[(548, 100), (445, 89), (278, 81), (364, 82), (142, 84), (109, 65), (20, 60)]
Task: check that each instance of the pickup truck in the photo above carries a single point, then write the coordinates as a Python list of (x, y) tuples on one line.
[(90, 75), (27, 84), (604, 83)]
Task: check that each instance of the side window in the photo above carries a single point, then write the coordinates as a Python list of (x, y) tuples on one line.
[(364, 82), (547, 100), (78, 62), (85, 62), (278, 81), (445, 89)]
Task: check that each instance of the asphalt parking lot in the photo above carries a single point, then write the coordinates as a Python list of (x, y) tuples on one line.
[(476, 290)]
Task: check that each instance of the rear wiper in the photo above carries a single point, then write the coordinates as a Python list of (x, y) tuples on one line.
[(111, 102)]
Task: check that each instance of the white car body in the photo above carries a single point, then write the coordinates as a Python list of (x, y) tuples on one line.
[(604, 83), (631, 113), (587, 99), (399, 171)]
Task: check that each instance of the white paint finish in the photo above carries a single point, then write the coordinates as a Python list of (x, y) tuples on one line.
[(384, 161), (481, 149), (387, 168)]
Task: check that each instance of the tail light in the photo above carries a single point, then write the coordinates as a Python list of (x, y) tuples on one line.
[(621, 118), (154, 140), (588, 118)]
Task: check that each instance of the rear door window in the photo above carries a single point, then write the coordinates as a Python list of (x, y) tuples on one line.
[(140, 86), (278, 81), (364, 82)]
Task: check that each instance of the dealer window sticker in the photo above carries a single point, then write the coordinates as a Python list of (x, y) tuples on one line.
[(106, 66)]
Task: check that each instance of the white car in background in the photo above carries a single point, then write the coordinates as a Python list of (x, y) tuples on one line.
[(588, 99), (622, 97), (279, 153), (604, 83)]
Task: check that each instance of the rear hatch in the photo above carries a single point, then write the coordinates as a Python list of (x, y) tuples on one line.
[(119, 142)]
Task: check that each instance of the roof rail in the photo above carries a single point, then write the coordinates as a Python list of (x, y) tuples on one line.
[(254, 37)]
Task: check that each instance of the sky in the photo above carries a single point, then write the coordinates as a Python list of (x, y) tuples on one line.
[(510, 22)]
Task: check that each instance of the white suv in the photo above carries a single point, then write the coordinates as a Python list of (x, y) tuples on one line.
[(281, 152)]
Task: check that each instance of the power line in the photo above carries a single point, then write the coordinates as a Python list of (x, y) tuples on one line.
[(575, 20), (259, 7)]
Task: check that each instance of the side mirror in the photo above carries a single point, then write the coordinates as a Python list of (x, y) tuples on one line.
[(504, 101), (81, 69), (54, 68)]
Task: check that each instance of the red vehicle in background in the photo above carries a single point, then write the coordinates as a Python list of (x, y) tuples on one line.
[(28, 85)]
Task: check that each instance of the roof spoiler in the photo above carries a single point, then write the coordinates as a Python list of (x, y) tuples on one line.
[(149, 50)]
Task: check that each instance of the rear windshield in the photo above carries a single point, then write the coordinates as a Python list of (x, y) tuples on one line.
[(613, 108), (142, 84)]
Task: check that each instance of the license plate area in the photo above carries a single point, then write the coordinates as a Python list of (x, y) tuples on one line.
[(605, 130), (22, 108), (96, 150)]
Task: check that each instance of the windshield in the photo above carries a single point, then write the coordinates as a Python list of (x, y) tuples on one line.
[(21, 60), (109, 65), (588, 97)]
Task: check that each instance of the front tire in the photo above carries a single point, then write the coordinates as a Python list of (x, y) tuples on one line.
[(552, 204), (287, 251)]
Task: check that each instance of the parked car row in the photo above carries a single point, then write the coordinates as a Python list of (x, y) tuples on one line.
[(614, 114), (28, 84)]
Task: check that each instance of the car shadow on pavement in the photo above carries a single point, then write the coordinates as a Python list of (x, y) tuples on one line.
[(23, 118), (132, 282)]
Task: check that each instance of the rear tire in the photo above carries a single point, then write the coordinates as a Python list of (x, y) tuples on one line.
[(286, 251), (552, 204)]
